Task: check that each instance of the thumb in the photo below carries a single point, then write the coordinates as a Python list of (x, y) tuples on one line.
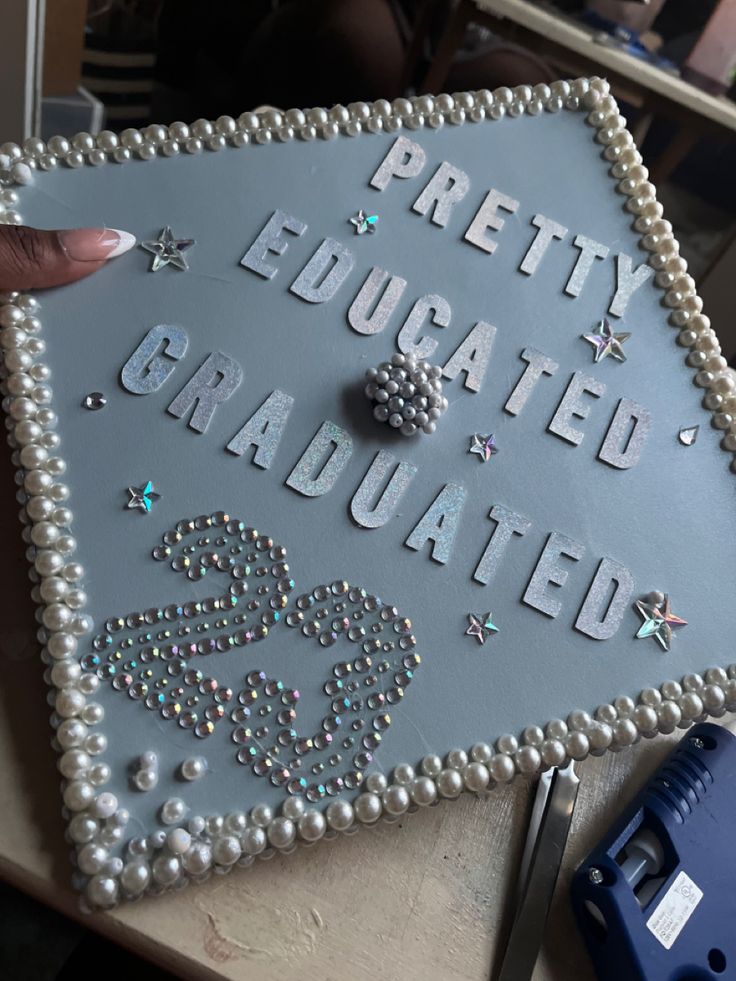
[(33, 259)]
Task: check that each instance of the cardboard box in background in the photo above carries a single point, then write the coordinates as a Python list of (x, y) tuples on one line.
[(64, 40)]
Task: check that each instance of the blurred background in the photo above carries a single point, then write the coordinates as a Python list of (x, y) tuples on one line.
[(85, 65)]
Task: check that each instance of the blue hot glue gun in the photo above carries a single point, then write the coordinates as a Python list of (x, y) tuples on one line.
[(654, 900)]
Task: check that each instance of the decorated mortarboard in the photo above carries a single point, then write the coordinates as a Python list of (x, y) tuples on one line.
[(394, 463)]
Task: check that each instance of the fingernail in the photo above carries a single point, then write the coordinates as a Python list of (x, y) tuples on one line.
[(95, 244)]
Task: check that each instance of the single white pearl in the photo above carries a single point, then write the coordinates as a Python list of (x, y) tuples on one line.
[(281, 832), (507, 744), (476, 777), (527, 759), (93, 713), (95, 743), (261, 815), (552, 752), (599, 736), (368, 808), (71, 733), (404, 774), (194, 767), (481, 752), (69, 702), (396, 799), (74, 763), (105, 805), (431, 765), (101, 891), (457, 759), (198, 859), (99, 775), (293, 808), (236, 822), (376, 783), (145, 779), (135, 877), (62, 645), (312, 825), (226, 850), (449, 783), (253, 841), (166, 869), (577, 746), (423, 791), (173, 810), (340, 815), (78, 795), (501, 767), (65, 673), (83, 829)]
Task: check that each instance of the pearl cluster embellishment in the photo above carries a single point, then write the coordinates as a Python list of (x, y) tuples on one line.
[(113, 867), (407, 394)]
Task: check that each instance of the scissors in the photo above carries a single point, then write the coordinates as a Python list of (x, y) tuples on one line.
[(549, 826)]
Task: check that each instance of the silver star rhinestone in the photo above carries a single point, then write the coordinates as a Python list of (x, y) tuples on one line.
[(167, 250), (481, 627), (606, 342), (364, 223), (141, 498)]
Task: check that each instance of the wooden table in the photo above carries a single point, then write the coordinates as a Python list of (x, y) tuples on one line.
[(569, 46), (425, 898)]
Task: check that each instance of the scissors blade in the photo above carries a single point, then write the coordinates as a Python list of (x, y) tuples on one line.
[(539, 884)]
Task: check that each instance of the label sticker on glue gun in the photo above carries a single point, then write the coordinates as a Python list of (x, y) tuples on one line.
[(674, 910)]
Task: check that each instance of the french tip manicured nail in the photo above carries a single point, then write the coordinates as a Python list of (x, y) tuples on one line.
[(95, 244)]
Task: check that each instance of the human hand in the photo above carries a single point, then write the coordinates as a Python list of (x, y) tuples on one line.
[(35, 259)]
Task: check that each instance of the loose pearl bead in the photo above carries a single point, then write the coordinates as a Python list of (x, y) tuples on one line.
[(69, 702), (431, 765), (74, 763), (691, 705), (71, 733), (450, 783), (293, 808), (82, 829), (312, 826), (340, 815)]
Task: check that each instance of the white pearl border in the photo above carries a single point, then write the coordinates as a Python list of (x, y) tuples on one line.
[(219, 843)]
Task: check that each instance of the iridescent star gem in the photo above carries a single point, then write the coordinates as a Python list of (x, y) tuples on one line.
[(364, 223), (168, 250), (142, 497), (606, 342), (658, 621), (483, 446), (481, 627)]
